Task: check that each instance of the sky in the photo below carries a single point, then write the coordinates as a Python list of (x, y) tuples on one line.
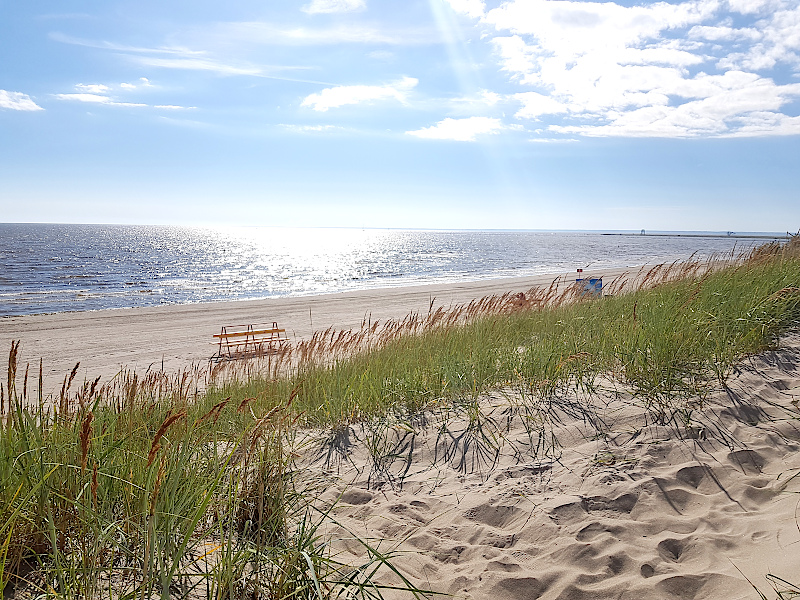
[(518, 114)]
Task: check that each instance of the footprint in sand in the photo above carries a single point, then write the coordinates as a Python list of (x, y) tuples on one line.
[(408, 512), (356, 497), (514, 588), (685, 587), (569, 511), (746, 413), (749, 462), (688, 587), (621, 504), (503, 567), (683, 502), (692, 476), (494, 516), (455, 554), (671, 549), (593, 530), (498, 540)]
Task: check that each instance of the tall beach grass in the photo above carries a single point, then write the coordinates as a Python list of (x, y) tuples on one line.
[(158, 486)]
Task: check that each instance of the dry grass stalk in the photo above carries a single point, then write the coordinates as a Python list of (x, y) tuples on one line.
[(162, 469), (12, 375), (214, 412), (63, 406), (243, 404), (156, 444), (86, 438), (72, 374), (94, 486), (41, 383), (25, 383)]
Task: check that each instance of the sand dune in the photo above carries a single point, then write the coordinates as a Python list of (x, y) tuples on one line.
[(638, 511)]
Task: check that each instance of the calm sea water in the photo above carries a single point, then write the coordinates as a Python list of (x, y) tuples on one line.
[(56, 268)]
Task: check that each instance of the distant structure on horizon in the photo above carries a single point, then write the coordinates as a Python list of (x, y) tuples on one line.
[(642, 233)]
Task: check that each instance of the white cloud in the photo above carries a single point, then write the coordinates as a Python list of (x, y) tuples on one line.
[(471, 8), (553, 140), (461, 130), (516, 56), (310, 128), (760, 124), (271, 34), (102, 97), (179, 57), (334, 6), (715, 33), (654, 69), (730, 104), (572, 28), (535, 105), (198, 64), (17, 101), (473, 104), (356, 94), (90, 98), (483, 98), (752, 6), (96, 99), (143, 82), (176, 50), (93, 88), (778, 42)]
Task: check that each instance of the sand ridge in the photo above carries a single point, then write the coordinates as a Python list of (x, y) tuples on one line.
[(638, 510)]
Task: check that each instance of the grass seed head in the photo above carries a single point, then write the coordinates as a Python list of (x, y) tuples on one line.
[(94, 486), (214, 412), (156, 445), (85, 438), (243, 404)]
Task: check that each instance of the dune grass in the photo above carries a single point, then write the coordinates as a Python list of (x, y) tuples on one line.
[(149, 487), (675, 335)]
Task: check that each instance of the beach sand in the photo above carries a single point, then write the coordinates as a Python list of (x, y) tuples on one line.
[(175, 337), (639, 511)]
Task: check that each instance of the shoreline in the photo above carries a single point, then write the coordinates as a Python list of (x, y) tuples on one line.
[(177, 336), (549, 276)]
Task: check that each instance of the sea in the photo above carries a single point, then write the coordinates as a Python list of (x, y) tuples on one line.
[(56, 268)]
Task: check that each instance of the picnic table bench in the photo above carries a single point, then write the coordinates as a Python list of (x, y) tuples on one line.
[(243, 341)]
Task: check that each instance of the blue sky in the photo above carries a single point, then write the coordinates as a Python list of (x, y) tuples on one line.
[(402, 113)]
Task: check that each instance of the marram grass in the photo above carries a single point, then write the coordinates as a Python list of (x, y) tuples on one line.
[(148, 487), (667, 341)]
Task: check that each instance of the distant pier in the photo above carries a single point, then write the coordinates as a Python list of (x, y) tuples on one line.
[(733, 236)]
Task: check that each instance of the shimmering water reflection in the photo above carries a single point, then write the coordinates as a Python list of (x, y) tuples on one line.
[(55, 268)]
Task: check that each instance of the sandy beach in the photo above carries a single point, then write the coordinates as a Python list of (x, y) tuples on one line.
[(506, 496), (642, 511), (178, 336)]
